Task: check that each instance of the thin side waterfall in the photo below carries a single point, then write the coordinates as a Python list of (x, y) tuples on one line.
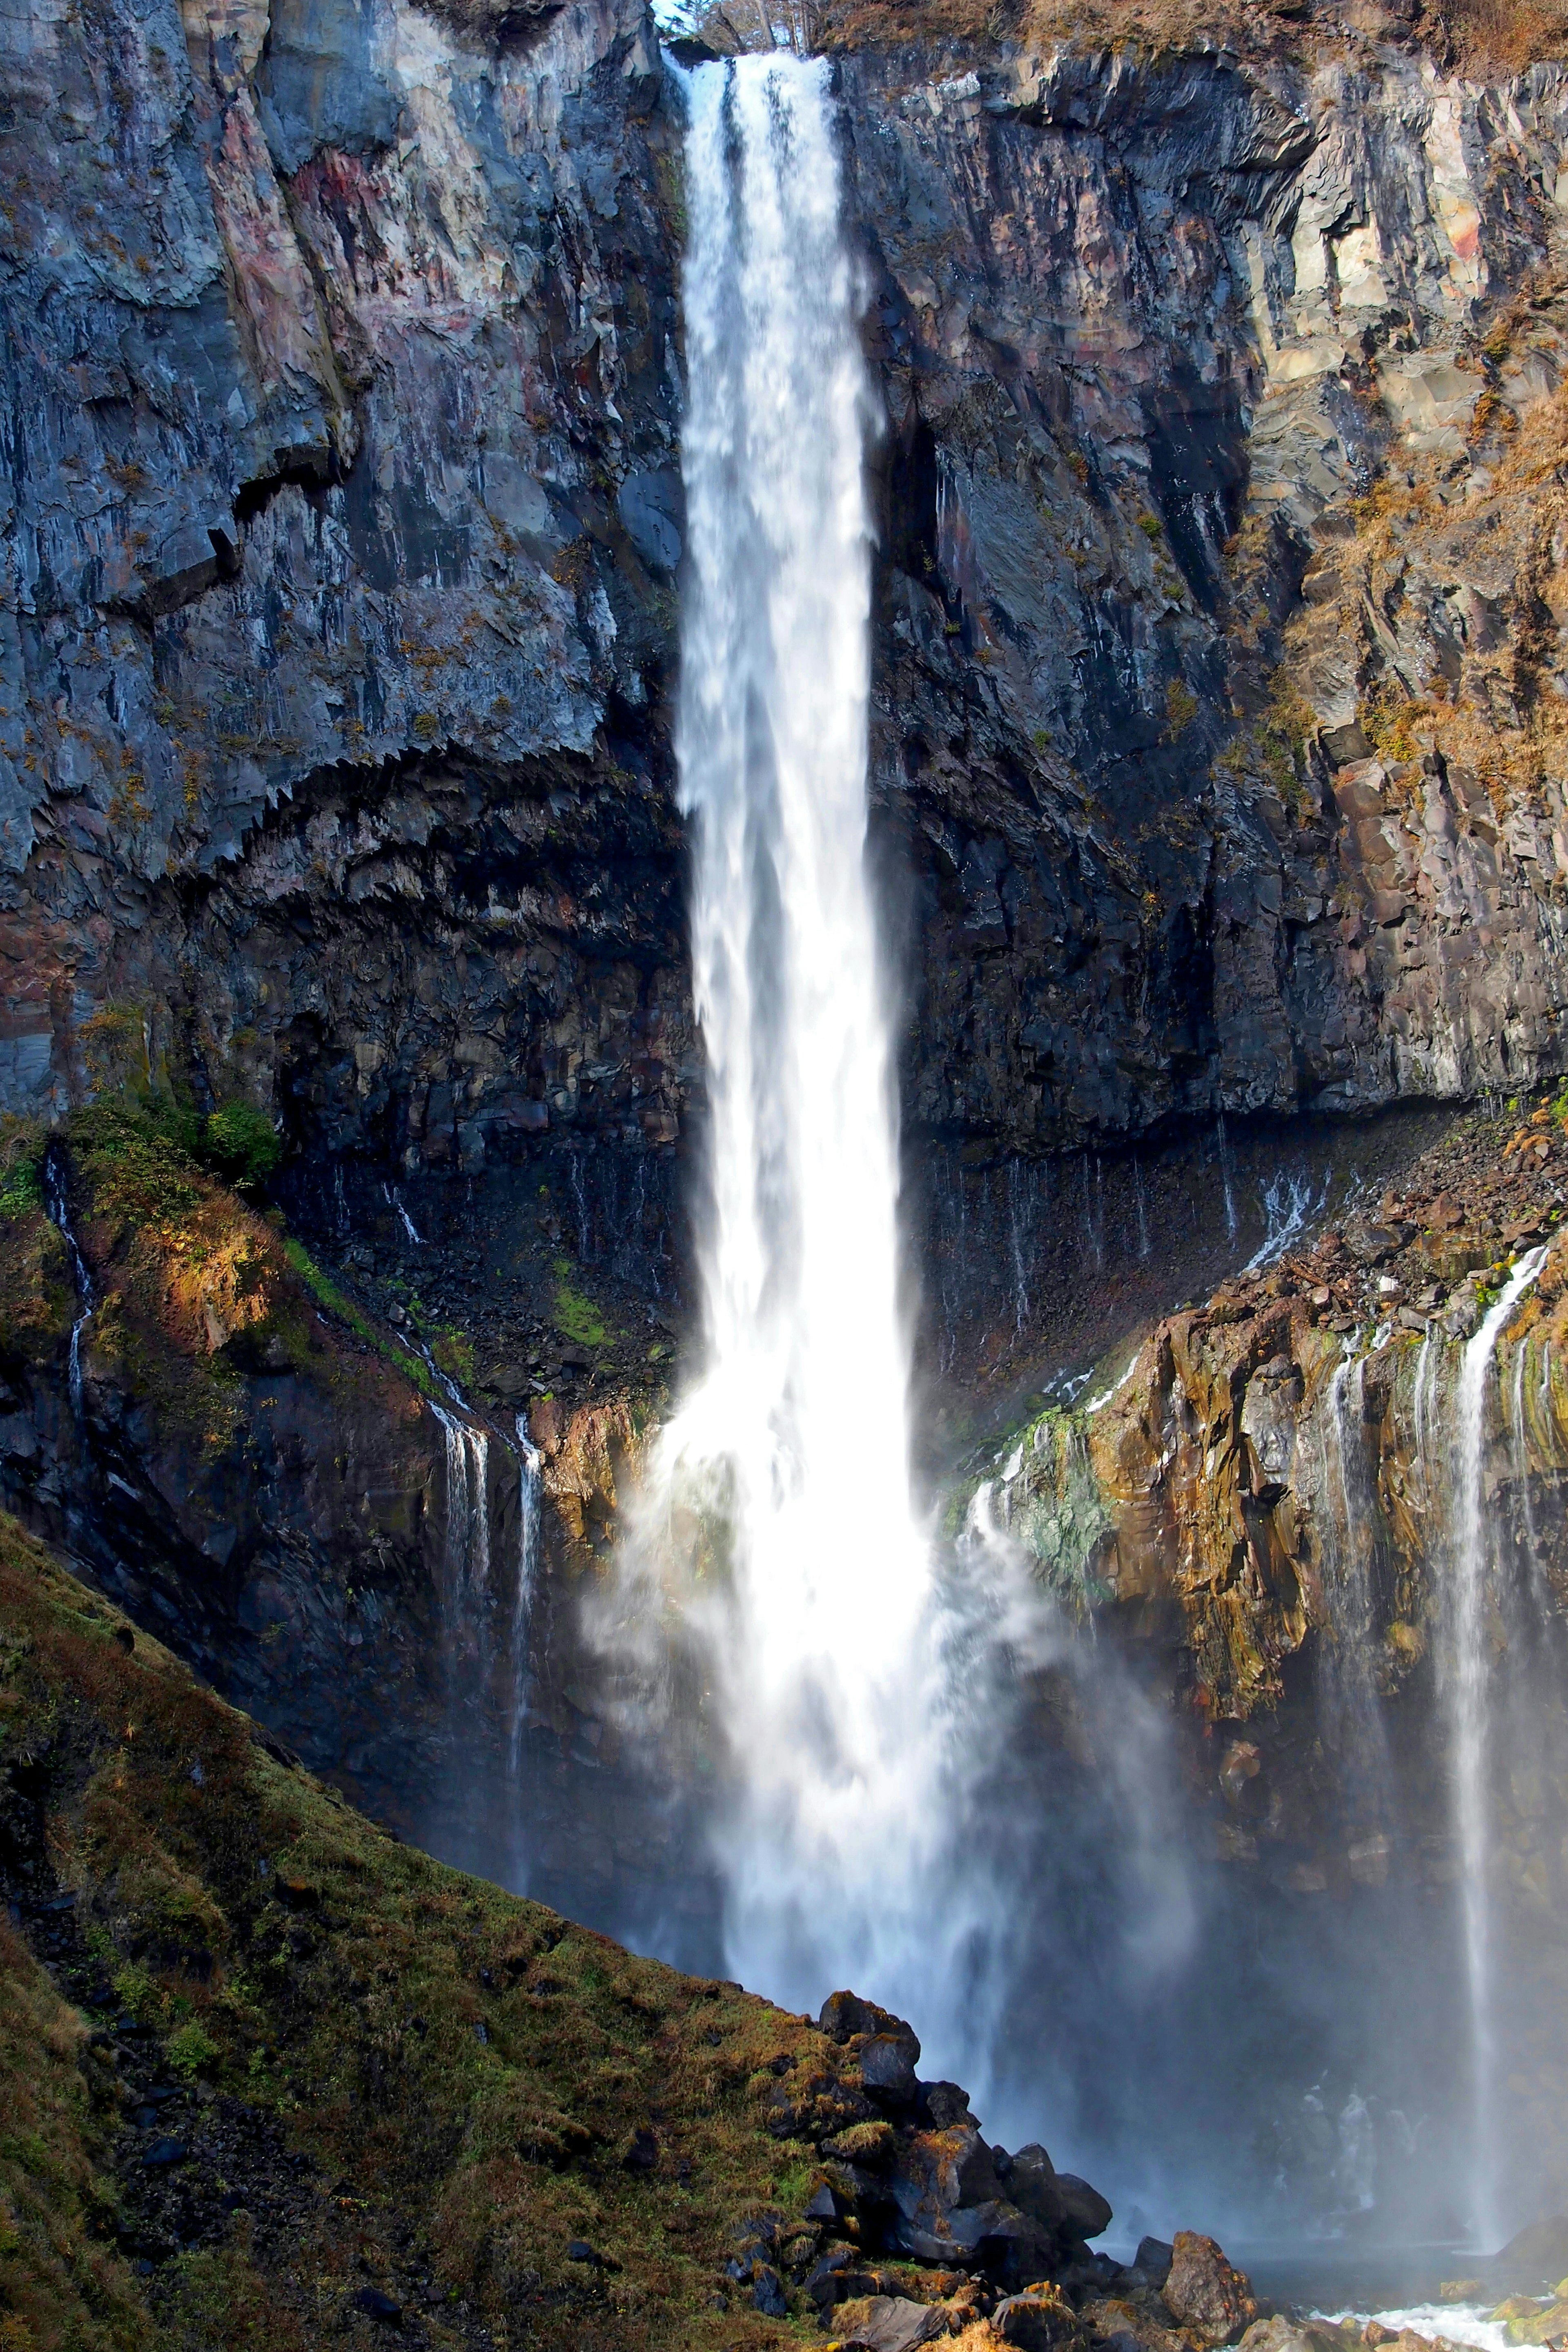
[(1468, 1680), (795, 1447), (529, 1467), (87, 1296), (467, 1548), (1351, 1685), (1227, 1186)]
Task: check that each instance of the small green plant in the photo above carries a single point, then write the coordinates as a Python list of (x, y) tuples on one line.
[(1152, 529), (240, 1143), (189, 2050), (22, 1187), (454, 1354), (577, 1318)]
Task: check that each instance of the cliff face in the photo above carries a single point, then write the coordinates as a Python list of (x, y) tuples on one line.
[(344, 516), (1151, 329), (341, 399)]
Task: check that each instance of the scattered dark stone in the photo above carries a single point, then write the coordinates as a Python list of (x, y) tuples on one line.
[(767, 2292), (1040, 2321), (125, 1637), (1153, 2259), (825, 2285), (579, 2251), (944, 2105), (378, 2306), (1084, 2210), (641, 2151), (888, 2067), (163, 2153)]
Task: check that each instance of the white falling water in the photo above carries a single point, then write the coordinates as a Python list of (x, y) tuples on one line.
[(529, 1468), (86, 1292), (796, 1440), (467, 1561), (1469, 1678)]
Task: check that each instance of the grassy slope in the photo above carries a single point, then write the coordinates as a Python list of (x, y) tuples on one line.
[(318, 1992)]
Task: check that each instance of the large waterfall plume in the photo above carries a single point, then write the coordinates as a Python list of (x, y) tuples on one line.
[(796, 1439)]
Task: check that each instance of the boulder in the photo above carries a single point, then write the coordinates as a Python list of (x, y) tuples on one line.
[(891, 2323), (1280, 2334), (845, 2015), (1206, 2295), (1536, 2258), (1132, 2323), (1153, 2259), (1084, 2210), (888, 2068), (1042, 2320), (949, 2208), (944, 2103), (1059, 2201)]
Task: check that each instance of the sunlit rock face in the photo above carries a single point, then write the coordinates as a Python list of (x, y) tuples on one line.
[(1149, 330)]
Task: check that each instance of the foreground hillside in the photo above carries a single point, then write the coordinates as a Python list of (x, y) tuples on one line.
[(266, 2073)]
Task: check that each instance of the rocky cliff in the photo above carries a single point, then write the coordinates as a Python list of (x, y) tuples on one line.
[(1219, 802), (344, 519)]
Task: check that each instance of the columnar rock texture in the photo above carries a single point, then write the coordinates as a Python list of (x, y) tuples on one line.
[(1222, 453), (341, 404)]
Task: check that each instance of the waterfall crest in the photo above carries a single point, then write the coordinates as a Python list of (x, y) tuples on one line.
[(796, 1440)]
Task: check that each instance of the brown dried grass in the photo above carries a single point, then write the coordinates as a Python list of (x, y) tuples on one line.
[(1472, 37)]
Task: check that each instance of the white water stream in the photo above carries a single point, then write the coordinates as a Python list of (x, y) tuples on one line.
[(795, 1443), (1469, 1679)]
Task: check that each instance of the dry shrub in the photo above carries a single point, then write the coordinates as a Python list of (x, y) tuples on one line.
[(1473, 37), (1496, 36)]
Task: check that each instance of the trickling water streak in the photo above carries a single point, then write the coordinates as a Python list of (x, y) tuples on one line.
[(796, 1440), (1288, 1202), (1143, 1209), (1020, 1279), (1095, 1240), (1467, 1683), (394, 1200), (1228, 1189), (574, 1170), (530, 1465), (59, 1216)]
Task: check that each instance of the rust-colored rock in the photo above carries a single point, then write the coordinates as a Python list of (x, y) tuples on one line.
[(1205, 2293)]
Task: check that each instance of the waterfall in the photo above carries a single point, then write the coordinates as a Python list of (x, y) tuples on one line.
[(86, 1300), (1469, 1683), (468, 1560), (530, 1464), (1227, 1186), (1350, 1684), (794, 1443)]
